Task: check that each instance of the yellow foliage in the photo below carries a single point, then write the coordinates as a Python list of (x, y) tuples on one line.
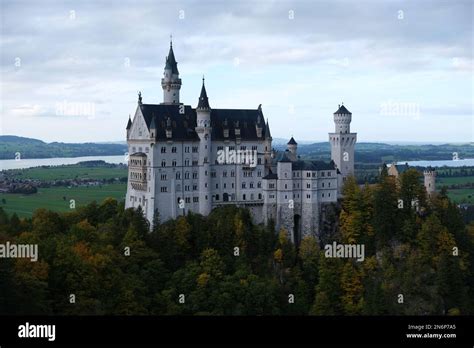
[(278, 255)]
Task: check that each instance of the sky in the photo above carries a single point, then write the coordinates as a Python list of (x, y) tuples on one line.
[(71, 70)]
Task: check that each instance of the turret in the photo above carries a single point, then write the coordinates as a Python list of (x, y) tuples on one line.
[(267, 148), (171, 83), (342, 120), (292, 148), (204, 131), (429, 175)]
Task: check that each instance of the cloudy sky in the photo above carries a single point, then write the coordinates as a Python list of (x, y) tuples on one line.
[(70, 70)]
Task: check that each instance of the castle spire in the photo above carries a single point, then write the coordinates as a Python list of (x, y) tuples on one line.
[(203, 100)]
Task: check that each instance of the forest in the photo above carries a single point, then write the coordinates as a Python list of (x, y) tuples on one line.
[(102, 259)]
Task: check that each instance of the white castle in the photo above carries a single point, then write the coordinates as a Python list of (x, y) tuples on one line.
[(185, 159)]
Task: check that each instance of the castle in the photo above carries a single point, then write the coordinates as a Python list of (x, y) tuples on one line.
[(185, 159)]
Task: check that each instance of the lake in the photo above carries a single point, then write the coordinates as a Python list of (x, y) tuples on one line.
[(36, 162), (448, 163)]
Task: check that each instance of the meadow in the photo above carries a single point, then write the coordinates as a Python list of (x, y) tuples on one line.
[(59, 198)]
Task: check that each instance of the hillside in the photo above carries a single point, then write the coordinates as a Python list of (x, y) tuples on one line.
[(34, 148)]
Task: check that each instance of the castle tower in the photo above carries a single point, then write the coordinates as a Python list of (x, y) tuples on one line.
[(343, 142), (171, 83), (292, 148), (203, 129), (429, 175)]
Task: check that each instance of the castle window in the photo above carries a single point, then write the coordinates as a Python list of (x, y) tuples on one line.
[(254, 147), (186, 149), (186, 162), (259, 196), (286, 175), (243, 197), (173, 163), (195, 175), (308, 185), (225, 185), (163, 176), (163, 149), (259, 173), (195, 187), (329, 184), (329, 173), (195, 149), (308, 196), (217, 197), (163, 163), (213, 174), (251, 185), (217, 186), (329, 194), (178, 175), (322, 174), (251, 197), (286, 186), (186, 175), (243, 147), (243, 185), (188, 199), (322, 184), (232, 173), (173, 149), (164, 189), (308, 175), (322, 194), (231, 148), (224, 174), (259, 185), (195, 199), (220, 148)]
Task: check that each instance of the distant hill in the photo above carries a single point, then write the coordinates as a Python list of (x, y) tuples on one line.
[(365, 152), (34, 148)]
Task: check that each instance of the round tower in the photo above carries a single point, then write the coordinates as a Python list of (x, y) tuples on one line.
[(171, 83), (343, 142), (204, 130), (429, 175)]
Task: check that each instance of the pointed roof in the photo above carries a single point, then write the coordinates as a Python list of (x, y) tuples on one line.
[(203, 100), (292, 142), (267, 131), (129, 123), (171, 62), (342, 110), (152, 123)]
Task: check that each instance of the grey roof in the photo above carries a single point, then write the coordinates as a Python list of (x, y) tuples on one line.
[(129, 123), (171, 62), (342, 110), (292, 142), (183, 124), (270, 176), (313, 165), (402, 168), (203, 100), (281, 156), (268, 135)]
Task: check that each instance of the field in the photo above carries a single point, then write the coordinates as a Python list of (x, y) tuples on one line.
[(458, 195), (454, 180), (53, 198), (69, 172)]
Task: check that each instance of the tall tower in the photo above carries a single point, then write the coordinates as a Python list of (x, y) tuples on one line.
[(429, 175), (203, 129), (343, 142), (171, 83)]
